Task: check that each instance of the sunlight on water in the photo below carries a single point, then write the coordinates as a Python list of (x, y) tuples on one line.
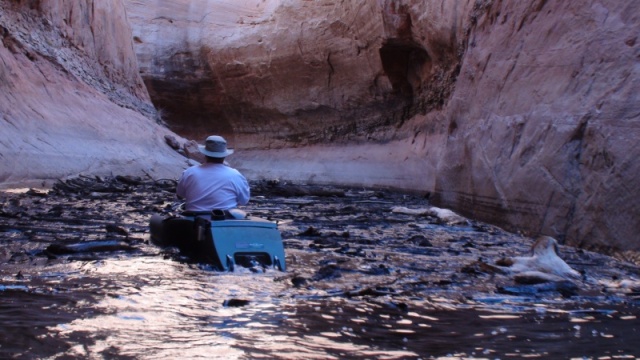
[(159, 305), (152, 308), (163, 309), (362, 283), (147, 307)]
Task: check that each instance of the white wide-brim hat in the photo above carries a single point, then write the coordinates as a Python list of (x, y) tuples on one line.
[(216, 147)]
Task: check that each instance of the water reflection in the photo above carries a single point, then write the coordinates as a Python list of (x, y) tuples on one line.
[(150, 308), (163, 309), (366, 283)]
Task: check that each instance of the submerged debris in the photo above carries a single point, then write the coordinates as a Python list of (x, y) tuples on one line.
[(564, 287), (89, 246), (236, 303), (340, 242)]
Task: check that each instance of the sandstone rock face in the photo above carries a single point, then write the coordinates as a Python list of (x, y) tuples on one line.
[(522, 113), (71, 98), (283, 73), (543, 124), (337, 92)]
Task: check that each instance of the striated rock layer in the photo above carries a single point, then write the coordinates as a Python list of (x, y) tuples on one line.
[(71, 97), (289, 73), (522, 113), (543, 124), (337, 92)]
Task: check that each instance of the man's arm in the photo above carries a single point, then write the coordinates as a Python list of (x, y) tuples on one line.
[(181, 189), (244, 192)]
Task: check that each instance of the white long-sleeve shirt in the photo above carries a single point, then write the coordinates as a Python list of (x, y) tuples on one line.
[(213, 186)]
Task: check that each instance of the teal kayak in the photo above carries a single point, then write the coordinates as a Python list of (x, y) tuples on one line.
[(225, 239)]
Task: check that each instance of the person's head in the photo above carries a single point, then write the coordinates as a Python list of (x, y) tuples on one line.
[(215, 149)]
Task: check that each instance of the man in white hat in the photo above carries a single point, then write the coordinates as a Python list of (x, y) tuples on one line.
[(214, 184)]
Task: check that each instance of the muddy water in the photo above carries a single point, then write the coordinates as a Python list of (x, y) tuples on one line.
[(362, 282)]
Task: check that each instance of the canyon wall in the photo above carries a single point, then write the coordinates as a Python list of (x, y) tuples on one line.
[(521, 113), (292, 73), (544, 121), (337, 92), (71, 97)]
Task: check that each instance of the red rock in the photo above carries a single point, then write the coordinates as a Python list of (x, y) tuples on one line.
[(505, 111), (544, 120), (172, 142), (192, 152), (71, 98)]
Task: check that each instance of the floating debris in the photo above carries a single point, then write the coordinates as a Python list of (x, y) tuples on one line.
[(89, 246), (236, 303), (335, 237)]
